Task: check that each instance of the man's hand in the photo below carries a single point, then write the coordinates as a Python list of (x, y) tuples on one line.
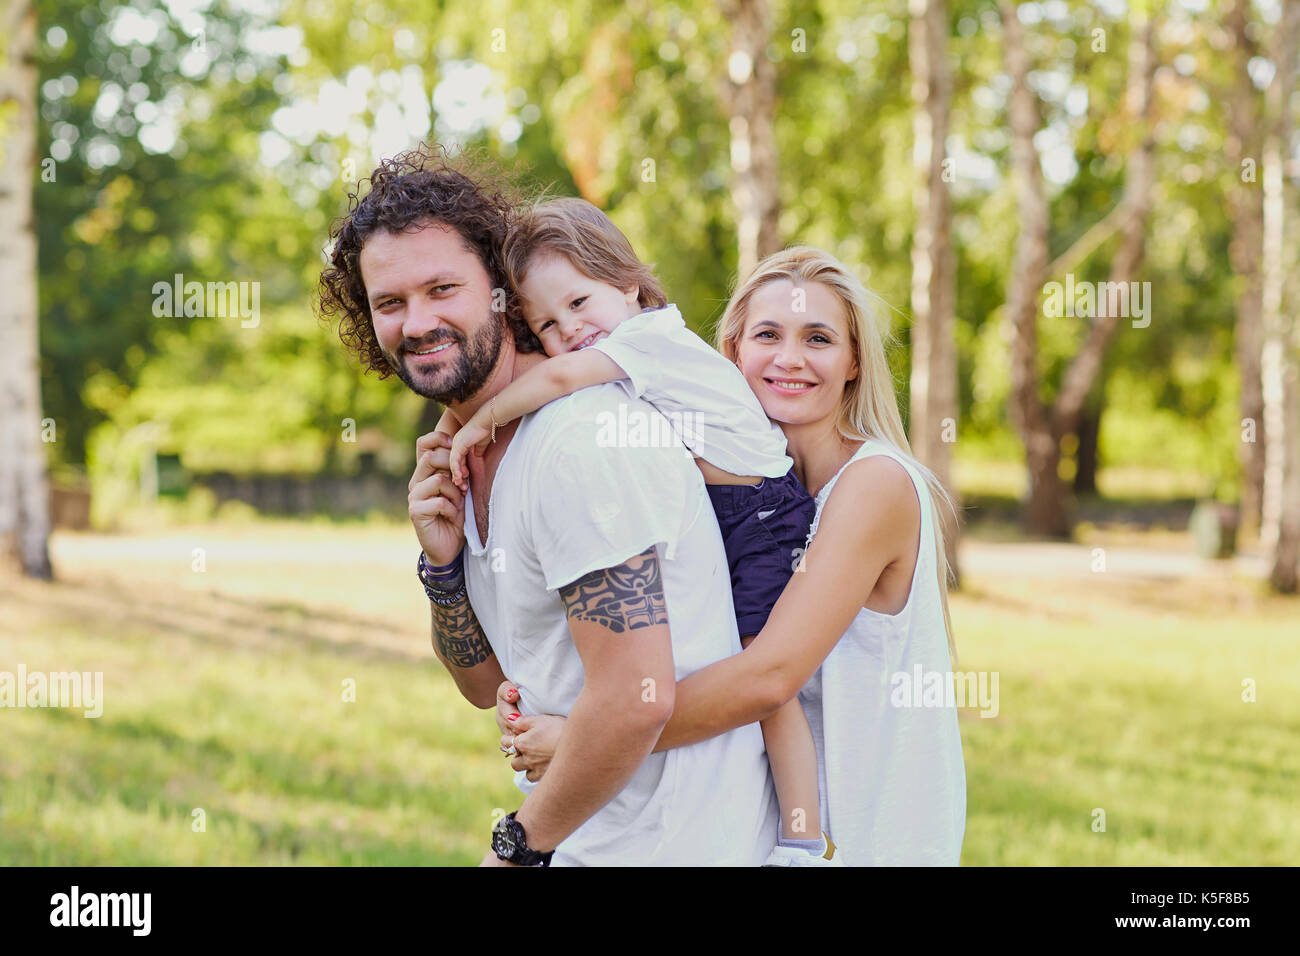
[(436, 506)]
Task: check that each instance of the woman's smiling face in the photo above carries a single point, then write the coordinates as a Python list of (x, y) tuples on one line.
[(795, 351)]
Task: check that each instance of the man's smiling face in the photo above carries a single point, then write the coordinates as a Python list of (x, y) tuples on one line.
[(431, 304)]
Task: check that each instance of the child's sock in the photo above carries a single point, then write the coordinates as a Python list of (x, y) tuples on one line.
[(816, 847)]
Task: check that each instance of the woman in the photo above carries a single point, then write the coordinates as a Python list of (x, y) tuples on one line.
[(866, 615)]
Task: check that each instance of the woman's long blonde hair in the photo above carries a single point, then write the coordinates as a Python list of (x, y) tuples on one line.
[(869, 406)]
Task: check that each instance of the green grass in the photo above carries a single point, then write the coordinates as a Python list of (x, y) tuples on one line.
[(224, 692)]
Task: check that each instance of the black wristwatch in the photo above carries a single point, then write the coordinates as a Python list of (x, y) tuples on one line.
[(510, 844)]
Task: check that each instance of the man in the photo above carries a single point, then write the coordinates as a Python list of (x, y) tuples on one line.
[(594, 576)]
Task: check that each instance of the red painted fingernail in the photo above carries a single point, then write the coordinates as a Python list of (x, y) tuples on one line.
[(511, 716)]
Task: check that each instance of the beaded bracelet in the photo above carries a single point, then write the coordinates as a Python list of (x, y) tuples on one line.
[(445, 586)]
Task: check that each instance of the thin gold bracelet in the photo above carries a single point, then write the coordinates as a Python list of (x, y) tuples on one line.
[(493, 415)]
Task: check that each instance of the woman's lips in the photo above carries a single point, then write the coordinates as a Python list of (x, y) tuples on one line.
[(788, 387)]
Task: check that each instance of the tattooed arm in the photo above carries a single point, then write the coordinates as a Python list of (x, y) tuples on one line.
[(437, 510), (461, 645), (619, 623)]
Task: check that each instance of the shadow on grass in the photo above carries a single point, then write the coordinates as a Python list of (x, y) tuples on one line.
[(213, 619)]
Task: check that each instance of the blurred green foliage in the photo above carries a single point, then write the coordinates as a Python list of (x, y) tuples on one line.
[(217, 142)]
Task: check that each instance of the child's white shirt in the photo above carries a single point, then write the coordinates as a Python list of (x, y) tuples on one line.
[(704, 397)]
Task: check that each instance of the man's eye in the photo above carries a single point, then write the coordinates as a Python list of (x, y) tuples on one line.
[(577, 302), (386, 303), (439, 288)]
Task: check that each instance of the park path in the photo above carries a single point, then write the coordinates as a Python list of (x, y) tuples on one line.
[(392, 547), (1066, 559)]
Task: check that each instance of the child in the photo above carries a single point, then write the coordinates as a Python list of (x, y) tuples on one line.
[(602, 317)]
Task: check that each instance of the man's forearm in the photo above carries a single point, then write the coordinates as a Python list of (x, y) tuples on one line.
[(594, 760), (463, 648)]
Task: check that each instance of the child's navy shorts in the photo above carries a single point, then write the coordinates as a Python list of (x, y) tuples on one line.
[(764, 529)]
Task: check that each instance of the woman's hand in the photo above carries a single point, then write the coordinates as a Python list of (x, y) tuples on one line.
[(534, 737), (471, 439), (435, 505)]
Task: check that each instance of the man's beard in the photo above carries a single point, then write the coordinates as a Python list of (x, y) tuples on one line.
[(450, 383)]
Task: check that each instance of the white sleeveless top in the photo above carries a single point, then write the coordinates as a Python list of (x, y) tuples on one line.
[(891, 778)]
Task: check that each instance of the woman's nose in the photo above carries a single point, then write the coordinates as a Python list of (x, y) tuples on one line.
[(790, 358)]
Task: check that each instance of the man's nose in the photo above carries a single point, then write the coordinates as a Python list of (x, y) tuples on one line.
[(421, 318)]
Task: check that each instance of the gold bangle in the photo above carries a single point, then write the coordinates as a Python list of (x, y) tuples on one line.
[(493, 415)]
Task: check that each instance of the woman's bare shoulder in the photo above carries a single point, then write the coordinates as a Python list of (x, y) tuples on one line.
[(880, 476), (873, 494)]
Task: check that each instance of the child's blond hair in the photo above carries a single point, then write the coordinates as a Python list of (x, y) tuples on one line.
[(587, 238)]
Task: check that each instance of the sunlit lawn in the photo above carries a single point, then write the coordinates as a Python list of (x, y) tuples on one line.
[(224, 692)]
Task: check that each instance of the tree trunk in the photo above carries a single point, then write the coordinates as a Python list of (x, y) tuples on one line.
[(1088, 432), (1246, 251), (1041, 427), (1045, 506), (1280, 529), (749, 93), (933, 417), (24, 486), (1139, 184)]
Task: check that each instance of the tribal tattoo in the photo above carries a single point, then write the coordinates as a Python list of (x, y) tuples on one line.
[(621, 598), (458, 635)]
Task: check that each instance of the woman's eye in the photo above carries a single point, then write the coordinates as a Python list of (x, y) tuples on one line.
[(577, 302), (764, 332), (821, 337)]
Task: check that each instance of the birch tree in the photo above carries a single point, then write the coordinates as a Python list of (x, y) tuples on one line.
[(1280, 377), (933, 419), (24, 488), (1246, 252), (749, 94), (1042, 426)]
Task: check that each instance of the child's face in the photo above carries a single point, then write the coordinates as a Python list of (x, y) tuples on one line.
[(567, 310)]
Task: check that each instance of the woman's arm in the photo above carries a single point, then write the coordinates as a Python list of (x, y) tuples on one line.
[(556, 377), (871, 520)]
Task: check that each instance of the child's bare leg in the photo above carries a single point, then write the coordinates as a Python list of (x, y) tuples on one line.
[(793, 758)]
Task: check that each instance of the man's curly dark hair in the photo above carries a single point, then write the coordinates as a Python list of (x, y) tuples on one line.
[(467, 192)]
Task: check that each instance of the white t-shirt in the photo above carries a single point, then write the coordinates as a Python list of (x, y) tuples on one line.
[(703, 396), (891, 777), (564, 504)]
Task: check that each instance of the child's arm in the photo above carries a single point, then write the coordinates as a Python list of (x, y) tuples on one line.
[(448, 424), (556, 377)]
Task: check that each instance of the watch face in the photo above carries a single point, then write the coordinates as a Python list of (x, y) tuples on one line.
[(503, 838)]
